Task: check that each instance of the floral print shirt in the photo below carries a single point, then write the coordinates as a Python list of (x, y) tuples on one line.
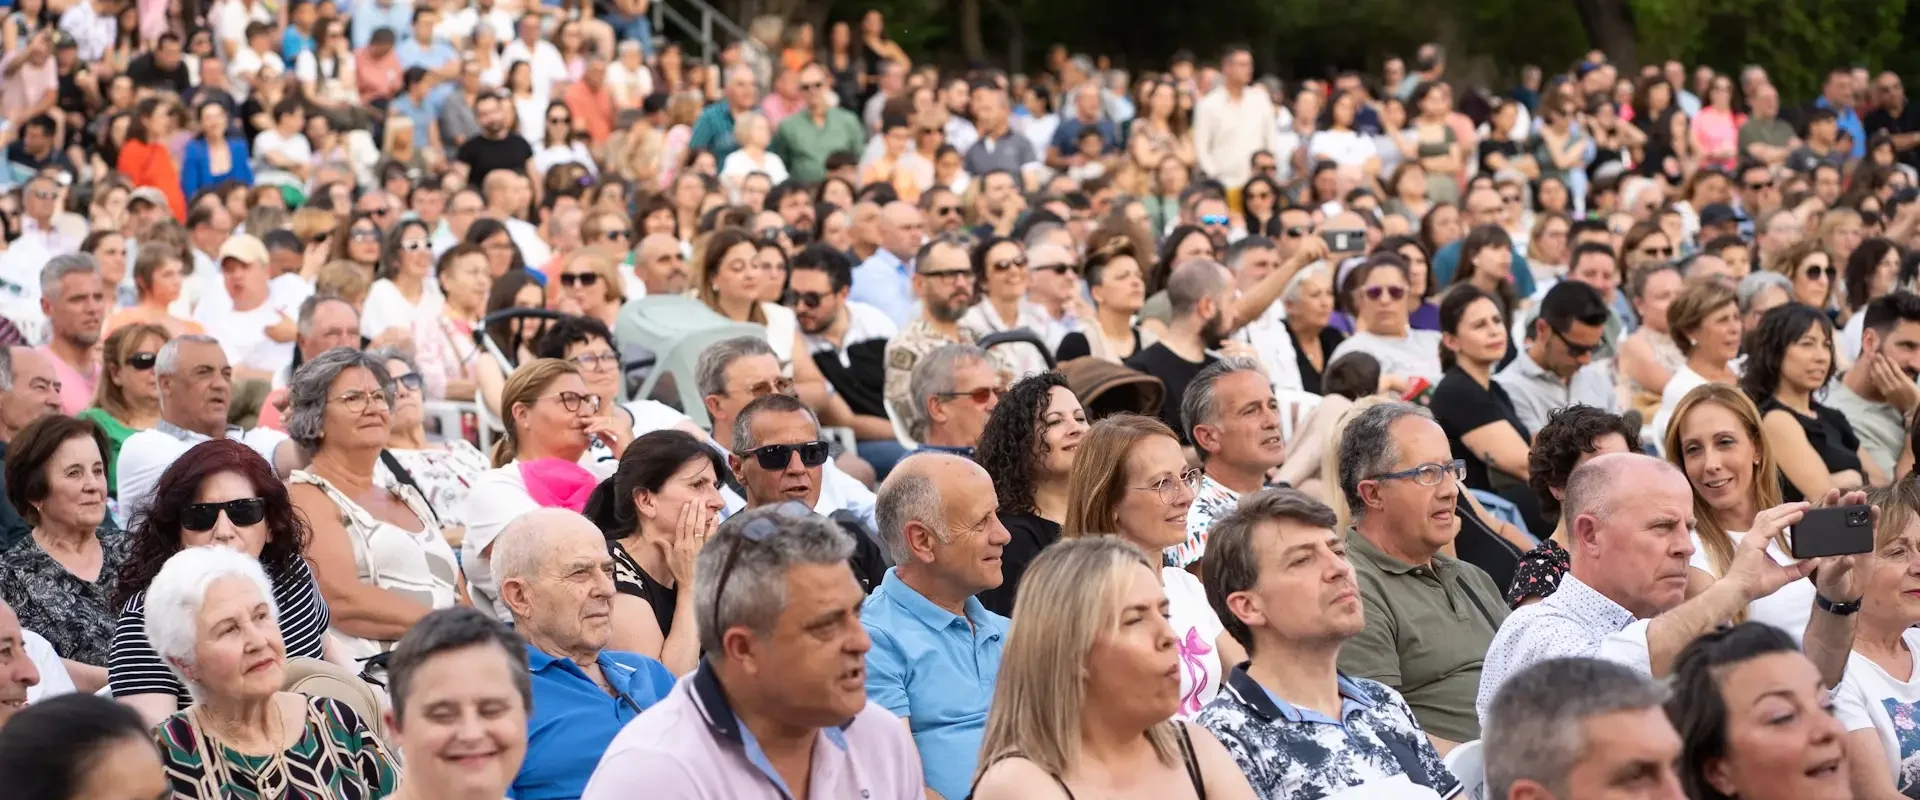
[(75, 615)]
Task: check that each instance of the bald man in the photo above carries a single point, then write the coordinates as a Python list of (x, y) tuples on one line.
[(660, 265), (1482, 207), (885, 281), (936, 649), (713, 131), (1625, 598), (556, 577)]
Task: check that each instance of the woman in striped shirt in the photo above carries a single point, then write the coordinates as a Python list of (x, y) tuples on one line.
[(220, 493)]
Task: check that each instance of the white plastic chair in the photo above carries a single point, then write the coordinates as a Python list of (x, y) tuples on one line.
[(1467, 764), (1295, 405)]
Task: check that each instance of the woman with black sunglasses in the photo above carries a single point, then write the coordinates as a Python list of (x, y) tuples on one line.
[(128, 399), (1000, 270), (220, 493)]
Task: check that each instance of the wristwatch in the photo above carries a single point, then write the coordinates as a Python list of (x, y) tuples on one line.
[(1836, 609)]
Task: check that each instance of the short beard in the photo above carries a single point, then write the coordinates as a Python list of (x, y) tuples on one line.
[(942, 312)]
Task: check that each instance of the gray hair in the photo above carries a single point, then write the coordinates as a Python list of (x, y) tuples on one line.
[(1534, 723), (449, 630), (310, 306), (6, 369), (1197, 405), (710, 372), (307, 392), (386, 354), (1194, 281), (933, 375), (908, 495), (770, 404), (1298, 282), (1590, 487), (1041, 233), (168, 361), (175, 595), (60, 266), (1234, 563), (757, 587), (1367, 448), (1757, 282)]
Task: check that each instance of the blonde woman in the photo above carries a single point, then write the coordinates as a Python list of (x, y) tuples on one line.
[(754, 135), (1130, 479), (1085, 699), (1811, 269), (127, 399), (591, 281)]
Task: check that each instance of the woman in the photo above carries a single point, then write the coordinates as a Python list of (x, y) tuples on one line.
[(1160, 131), (220, 493), (729, 283), (562, 143), (1441, 226), (1476, 413), (1135, 483), (1486, 263), (529, 103), (1116, 283), (1377, 291), (403, 296), (1572, 436), (1422, 312), (1084, 699), (588, 345), (1561, 146), (552, 419), (1408, 192), (109, 249), (1877, 696), (127, 399), (80, 747), (1645, 245), (1338, 142), (358, 239), (1308, 300), (770, 257), (1716, 129), (1704, 322), (214, 622), (1000, 270), (213, 156), (657, 511), (1789, 358), (451, 361), (61, 579), (1499, 151), (461, 698), (439, 470), (1548, 250), (515, 338), (491, 236), (1441, 154), (1755, 720), (1839, 232), (1028, 446), (1872, 272), (144, 157), (1170, 179), (843, 63), (590, 281), (755, 135), (1648, 357), (158, 278), (376, 552), (1260, 201)]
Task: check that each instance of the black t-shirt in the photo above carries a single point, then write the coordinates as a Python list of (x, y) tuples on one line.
[(862, 380), (1461, 405), (1488, 147), (1075, 345), (483, 155), (1908, 122), (148, 75), (1478, 544), (1828, 431), (1174, 372), (630, 579), (1330, 338), (1031, 534)]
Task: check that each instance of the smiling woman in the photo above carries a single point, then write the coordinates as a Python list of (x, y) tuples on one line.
[(1754, 720), (60, 579)]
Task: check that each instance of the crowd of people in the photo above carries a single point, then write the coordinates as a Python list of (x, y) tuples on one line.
[(1463, 435)]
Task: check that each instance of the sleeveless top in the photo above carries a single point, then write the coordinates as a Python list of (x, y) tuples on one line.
[(1187, 760), (630, 579), (419, 566)]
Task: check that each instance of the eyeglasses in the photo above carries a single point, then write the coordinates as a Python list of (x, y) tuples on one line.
[(615, 235), (979, 396), (573, 401), (1510, 199), (594, 362), (143, 361), (1017, 262), (781, 385), (1296, 232), (1574, 349), (362, 235), (1214, 219), (1395, 292), (1428, 474), (42, 194), (1755, 187), (808, 87), (381, 211), (579, 278), (756, 532), (778, 456), (1657, 252), (416, 245), (201, 517), (1068, 268), (410, 381), (946, 211), (1169, 487), (358, 400), (559, 121), (950, 274), (805, 299)]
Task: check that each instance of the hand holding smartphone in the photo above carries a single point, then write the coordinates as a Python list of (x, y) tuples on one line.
[(1833, 531)]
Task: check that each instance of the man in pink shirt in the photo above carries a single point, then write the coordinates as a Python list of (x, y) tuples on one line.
[(780, 699), (591, 101), (29, 78), (378, 69), (75, 301)]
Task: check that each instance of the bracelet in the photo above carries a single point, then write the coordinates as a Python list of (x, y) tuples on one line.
[(1837, 609)]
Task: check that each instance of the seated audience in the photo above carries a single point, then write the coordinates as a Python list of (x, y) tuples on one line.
[(1705, 324), (159, 272), (1092, 612), (1572, 436), (1542, 741), (257, 329), (439, 469), (1761, 292), (1377, 292), (1134, 483), (31, 392), (732, 374), (451, 360), (954, 389), (1648, 357), (1027, 448), (1789, 359), (196, 389), (1234, 421), (1476, 413), (1877, 395), (556, 578), (461, 698), (376, 551), (848, 341), (403, 296), (588, 345), (77, 747), (127, 399), (730, 283), (1278, 575), (1001, 272), (1879, 692), (1200, 294), (212, 618), (219, 493), (1307, 311), (778, 455), (776, 677), (1755, 719), (943, 281), (1116, 281)]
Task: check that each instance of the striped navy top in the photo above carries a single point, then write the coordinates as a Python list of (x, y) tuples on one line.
[(136, 668)]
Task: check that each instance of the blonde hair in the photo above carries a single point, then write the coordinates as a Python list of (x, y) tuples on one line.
[(309, 222), (1330, 460), (525, 386), (602, 266), (1787, 261), (1069, 597), (1766, 480), (344, 279), (108, 394), (1697, 301), (1899, 506), (1098, 481)]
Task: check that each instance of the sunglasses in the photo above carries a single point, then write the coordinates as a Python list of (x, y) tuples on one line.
[(615, 235), (778, 456), (364, 236), (979, 396), (143, 361), (1657, 252), (579, 278), (808, 87), (201, 517), (756, 532), (1395, 292), (1068, 268), (1755, 187), (947, 211), (806, 299), (1017, 262), (1574, 349), (45, 195), (1214, 219), (416, 245), (1815, 273)]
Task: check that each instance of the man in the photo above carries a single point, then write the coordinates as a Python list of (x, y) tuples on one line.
[(1212, 214), (1893, 115), (1779, 229), (75, 301), (1055, 288), (863, 225), (1429, 617), (954, 389), (258, 330), (943, 279), (19, 675), (508, 193), (1200, 294), (427, 51), (556, 577), (416, 104), (195, 386), (1823, 144), (777, 678), (936, 649), (164, 69), (1297, 725), (1758, 193), (660, 266), (1561, 341), (1234, 121), (848, 340), (774, 447), (998, 146), (39, 203), (38, 149), (498, 147), (1878, 394), (549, 67), (462, 209), (1766, 138), (784, 100), (208, 227), (793, 201), (325, 322), (1609, 738), (1718, 220), (1836, 95), (1482, 207), (390, 14), (892, 83), (377, 69), (941, 208), (1628, 518), (29, 390), (1000, 204), (1732, 250), (1233, 419), (255, 62), (713, 131), (1063, 152), (887, 280), (30, 77), (458, 122), (591, 101)]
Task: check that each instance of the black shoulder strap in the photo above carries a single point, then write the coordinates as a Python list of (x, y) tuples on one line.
[(400, 472), (1017, 754), (1193, 764)]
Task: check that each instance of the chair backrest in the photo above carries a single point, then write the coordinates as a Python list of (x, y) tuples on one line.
[(316, 678), (677, 329), (1467, 764)]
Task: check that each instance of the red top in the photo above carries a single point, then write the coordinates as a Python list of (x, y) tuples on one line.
[(148, 164)]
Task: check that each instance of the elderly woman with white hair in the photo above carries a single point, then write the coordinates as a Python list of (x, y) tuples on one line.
[(1308, 300), (212, 617)]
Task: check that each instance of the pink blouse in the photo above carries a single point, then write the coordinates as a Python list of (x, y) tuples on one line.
[(1715, 131)]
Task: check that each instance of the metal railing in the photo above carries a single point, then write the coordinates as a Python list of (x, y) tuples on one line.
[(710, 19)]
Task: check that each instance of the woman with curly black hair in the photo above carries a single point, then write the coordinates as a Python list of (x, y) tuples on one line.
[(1571, 437), (220, 493), (1028, 447)]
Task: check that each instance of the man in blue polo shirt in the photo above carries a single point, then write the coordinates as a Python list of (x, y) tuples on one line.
[(936, 650), (556, 576), (1837, 95)]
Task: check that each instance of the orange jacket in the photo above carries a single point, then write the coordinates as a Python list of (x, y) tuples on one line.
[(149, 164)]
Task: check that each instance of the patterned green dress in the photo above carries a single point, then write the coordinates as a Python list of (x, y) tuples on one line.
[(338, 758)]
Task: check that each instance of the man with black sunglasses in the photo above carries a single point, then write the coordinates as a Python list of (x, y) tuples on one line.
[(1562, 341), (777, 453)]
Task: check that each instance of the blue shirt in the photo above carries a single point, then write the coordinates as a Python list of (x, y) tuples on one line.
[(293, 43), (369, 17), (1850, 124), (885, 282), (573, 720), (713, 131), (423, 115), (937, 670), (1448, 260), (432, 56), (1066, 138)]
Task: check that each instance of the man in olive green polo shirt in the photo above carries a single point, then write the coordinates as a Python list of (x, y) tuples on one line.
[(805, 139), (1429, 617)]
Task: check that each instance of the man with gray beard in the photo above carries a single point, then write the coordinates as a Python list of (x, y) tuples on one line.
[(943, 281)]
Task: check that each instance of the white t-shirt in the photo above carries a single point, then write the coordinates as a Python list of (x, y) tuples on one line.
[(386, 307), (1346, 148), (1868, 697), (1848, 340), (739, 165), (533, 249), (1684, 380), (243, 334), (1787, 609), (1415, 354), (1196, 630), (636, 83), (499, 496), (54, 680)]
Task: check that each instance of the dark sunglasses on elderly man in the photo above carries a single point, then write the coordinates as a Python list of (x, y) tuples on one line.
[(200, 517)]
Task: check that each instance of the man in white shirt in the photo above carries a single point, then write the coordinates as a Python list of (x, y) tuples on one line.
[(256, 62), (458, 26), (549, 69), (507, 195), (1233, 122), (38, 203), (92, 26), (258, 330), (195, 385)]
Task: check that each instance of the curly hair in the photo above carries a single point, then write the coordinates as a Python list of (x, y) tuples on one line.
[(1011, 446), (156, 527), (1569, 434)]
